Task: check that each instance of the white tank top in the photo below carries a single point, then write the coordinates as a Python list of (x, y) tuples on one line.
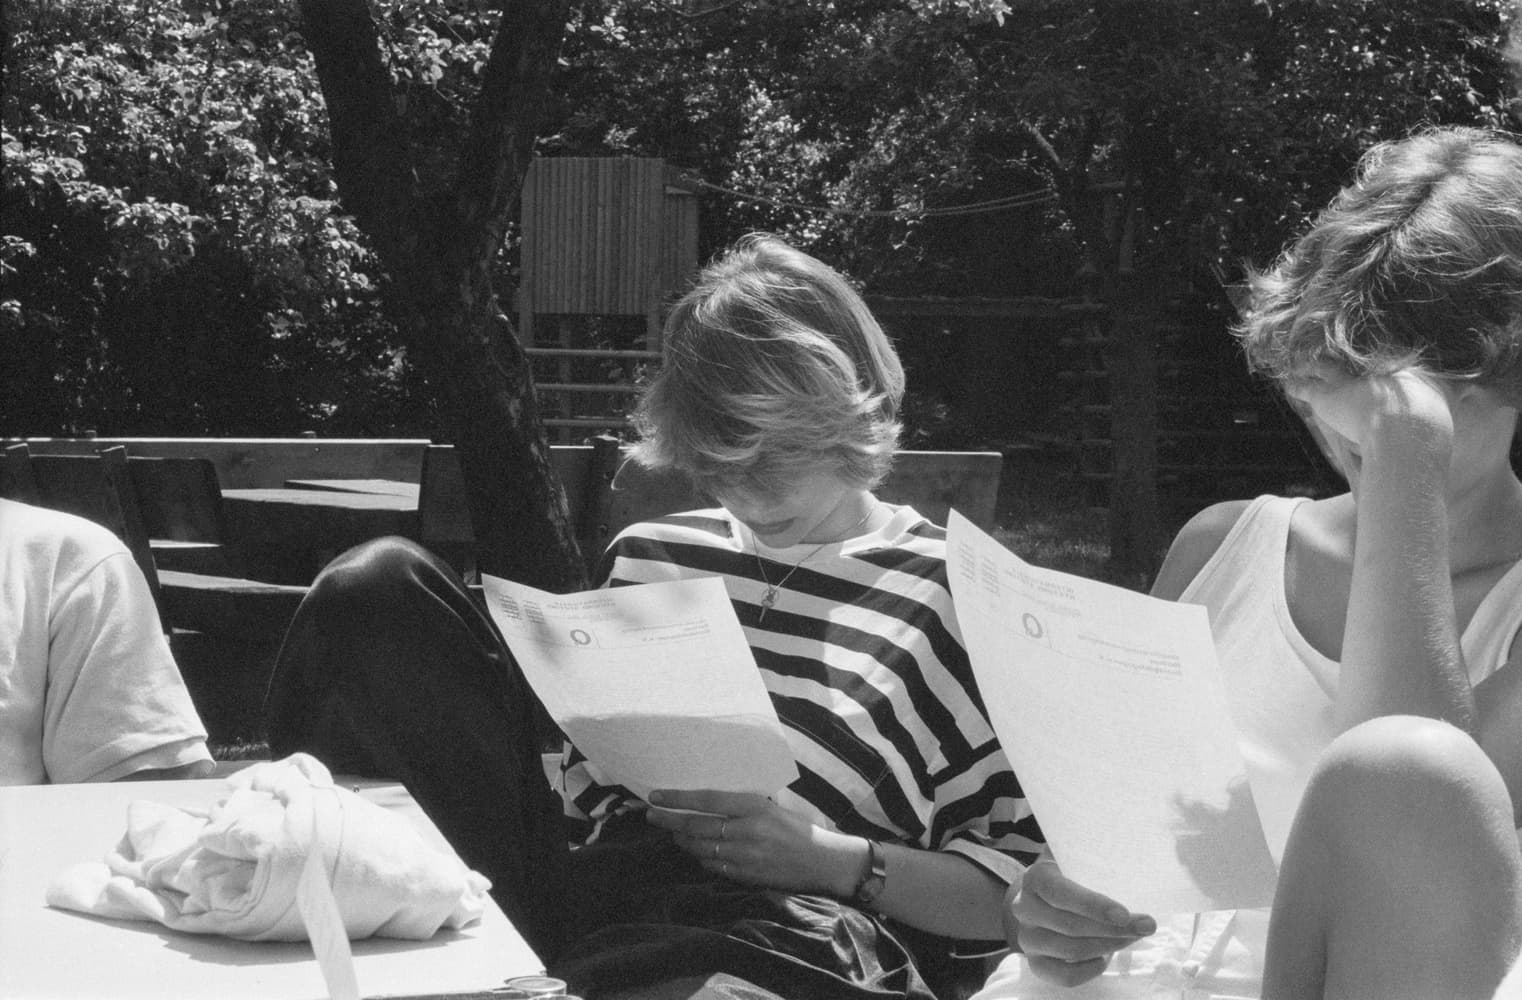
[(1280, 688)]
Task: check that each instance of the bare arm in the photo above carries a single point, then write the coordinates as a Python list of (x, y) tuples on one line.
[(755, 841), (195, 769), (1498, 703), (1197, 541), (1400, 650)]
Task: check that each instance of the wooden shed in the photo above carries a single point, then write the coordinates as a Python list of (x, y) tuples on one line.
[(612, 237)]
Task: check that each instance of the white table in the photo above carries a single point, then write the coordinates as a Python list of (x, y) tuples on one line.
[(48, 954)]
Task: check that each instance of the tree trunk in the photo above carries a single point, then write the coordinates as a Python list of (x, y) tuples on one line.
[(1131, 357), (439, 251), (1106, 220)]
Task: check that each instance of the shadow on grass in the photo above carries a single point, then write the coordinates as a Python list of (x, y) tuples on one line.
[(1044, 519)]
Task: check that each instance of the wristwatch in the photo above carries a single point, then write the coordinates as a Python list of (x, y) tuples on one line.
[(871, 884)]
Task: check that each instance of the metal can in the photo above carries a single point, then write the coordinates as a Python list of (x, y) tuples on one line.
[(537, 986)]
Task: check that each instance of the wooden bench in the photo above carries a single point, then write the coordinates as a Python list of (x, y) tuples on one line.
[(225, 629), (612, 493), (226, 622), (930, 481), (92, 486), (201, 570)]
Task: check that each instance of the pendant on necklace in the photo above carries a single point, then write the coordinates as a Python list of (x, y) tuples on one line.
[(768, 601)]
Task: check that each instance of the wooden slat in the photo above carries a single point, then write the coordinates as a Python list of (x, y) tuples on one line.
[(97, 487), (17, 481), (222, 605), (249, 463), (384, 487)]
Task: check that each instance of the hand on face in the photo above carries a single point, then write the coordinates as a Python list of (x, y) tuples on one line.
[(1067, 932), (1405, 410), (744, 837)]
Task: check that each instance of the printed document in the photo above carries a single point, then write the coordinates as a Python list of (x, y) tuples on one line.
[(1110, 706), (655, 683)]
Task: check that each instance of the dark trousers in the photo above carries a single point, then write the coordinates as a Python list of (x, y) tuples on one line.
[(391, 669)]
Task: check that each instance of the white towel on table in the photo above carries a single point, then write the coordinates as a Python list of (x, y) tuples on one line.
[(234, 871)]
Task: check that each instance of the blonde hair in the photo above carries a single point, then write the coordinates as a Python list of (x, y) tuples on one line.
[(1416, 264), (774, 365)]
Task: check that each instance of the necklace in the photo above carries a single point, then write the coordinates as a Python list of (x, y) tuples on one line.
[(773, 590)]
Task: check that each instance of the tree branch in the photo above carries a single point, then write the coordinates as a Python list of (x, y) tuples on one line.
[(505, 121), (371, 161), (1045, 148)]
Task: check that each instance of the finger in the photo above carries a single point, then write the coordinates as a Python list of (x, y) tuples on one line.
[(723, 868), (1033, 911), (676, 822), (692, 824), (708, 801), (1062, 893), (1067, 973), (700, 848), (1070, 948)]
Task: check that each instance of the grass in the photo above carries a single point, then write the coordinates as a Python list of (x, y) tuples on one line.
[(1043, 517)]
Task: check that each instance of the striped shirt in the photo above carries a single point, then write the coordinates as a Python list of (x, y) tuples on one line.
[(865, 665)]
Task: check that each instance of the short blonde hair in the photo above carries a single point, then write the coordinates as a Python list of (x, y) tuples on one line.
[(1416, 264), (774, 365)]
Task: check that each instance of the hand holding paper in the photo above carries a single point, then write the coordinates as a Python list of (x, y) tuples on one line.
[(1110, 706), (654, 683)]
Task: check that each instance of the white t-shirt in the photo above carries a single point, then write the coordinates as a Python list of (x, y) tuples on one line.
[(1281, 692), (88, 688)]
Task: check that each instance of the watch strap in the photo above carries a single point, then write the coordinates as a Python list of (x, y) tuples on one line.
[(871, 884)]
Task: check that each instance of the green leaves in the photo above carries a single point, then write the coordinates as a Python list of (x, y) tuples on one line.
[(173, 258)]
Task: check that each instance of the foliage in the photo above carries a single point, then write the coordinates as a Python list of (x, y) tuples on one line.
[(173, 259), (1232, 119)]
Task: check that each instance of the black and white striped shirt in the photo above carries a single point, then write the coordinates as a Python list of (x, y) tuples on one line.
[(865, 664)]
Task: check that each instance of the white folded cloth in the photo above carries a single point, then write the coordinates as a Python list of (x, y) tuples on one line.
[(234, 871)]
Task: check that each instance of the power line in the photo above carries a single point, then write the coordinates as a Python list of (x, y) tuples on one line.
[(972, 208)]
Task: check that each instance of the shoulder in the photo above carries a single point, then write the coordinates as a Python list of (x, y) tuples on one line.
[(693, 527), (1197, 541), (680, 539), (38, 534)]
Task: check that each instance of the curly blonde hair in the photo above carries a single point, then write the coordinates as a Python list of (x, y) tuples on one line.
[(774, 366), (1416, 264)]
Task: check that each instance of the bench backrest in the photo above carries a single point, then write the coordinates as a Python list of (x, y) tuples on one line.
[(252, 463), (17, 482), (606, 494), (180, 498), (614, 493), (98, 488)]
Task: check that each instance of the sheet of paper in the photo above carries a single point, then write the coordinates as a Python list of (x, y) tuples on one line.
[(1110, 706), (655, 683)]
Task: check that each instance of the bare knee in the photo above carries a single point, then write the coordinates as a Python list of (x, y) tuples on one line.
[(1402, 768), (368, 572), (1409, 828)]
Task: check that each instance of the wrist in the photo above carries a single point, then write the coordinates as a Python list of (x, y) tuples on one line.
[(875, 878), (849, 862), (852, 861), (1412, 439)]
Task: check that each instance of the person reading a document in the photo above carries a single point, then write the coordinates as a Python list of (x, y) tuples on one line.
[(1394, 326), (779, 398)]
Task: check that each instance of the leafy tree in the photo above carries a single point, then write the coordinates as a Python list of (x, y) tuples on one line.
[(437, 216), (170, 205), (172, 261), (1177, 139)]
